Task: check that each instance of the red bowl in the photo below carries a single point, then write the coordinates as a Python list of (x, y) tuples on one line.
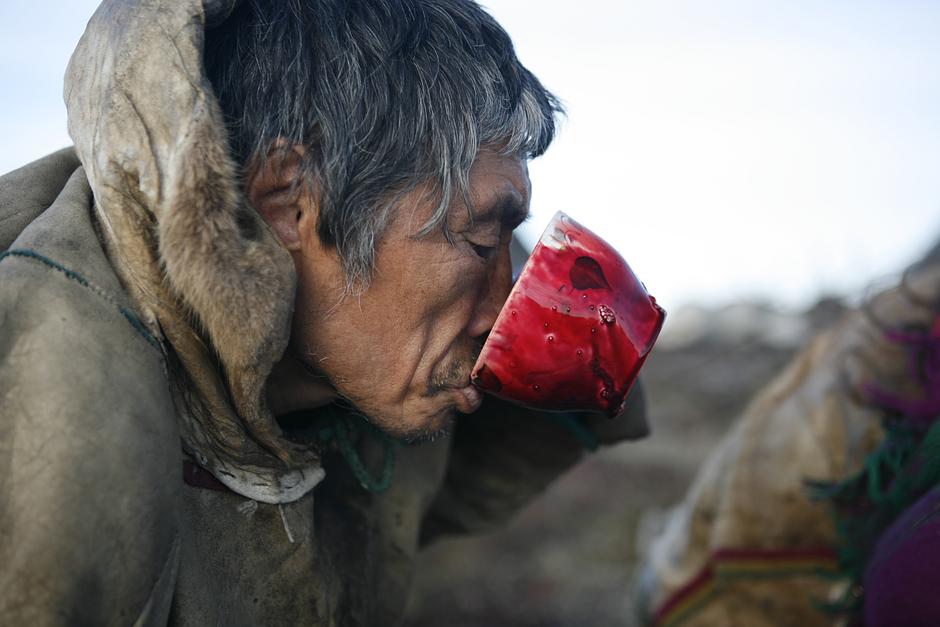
[(575, 329)]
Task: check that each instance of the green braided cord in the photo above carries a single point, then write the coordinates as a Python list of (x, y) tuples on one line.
[(896, 474), (339, 430), (574, 426), (129, 315)]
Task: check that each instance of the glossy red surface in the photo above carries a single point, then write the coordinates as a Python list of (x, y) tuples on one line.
[(575, 329)]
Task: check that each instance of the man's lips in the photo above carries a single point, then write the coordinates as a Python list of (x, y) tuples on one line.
[(469, 399)]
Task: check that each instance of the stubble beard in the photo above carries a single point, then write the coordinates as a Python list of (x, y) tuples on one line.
[(454, 374)]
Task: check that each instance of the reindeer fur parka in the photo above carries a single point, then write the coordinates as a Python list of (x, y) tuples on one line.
[(143, 479)]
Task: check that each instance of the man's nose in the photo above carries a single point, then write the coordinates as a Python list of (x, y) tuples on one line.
[(493, 294)]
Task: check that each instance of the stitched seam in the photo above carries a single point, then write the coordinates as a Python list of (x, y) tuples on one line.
[(130, 316)]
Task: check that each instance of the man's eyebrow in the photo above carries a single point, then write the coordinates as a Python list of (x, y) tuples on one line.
[(508, 209)]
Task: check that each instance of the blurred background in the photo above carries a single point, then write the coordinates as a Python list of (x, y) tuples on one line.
[(759, 163)]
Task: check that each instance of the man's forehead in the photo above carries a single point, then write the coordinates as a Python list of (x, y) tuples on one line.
[(505, 205), (499, 188)]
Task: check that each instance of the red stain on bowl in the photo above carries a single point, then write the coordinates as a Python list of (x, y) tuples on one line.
[(575, 329)]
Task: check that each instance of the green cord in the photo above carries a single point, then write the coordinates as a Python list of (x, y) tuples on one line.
[(26, 253), (895, 475), (343, 432)]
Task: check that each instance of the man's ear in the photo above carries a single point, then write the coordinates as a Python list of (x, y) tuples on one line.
[(274, 191)]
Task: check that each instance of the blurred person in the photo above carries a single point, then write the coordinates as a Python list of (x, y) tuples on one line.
[(819, 506), (233, 312)]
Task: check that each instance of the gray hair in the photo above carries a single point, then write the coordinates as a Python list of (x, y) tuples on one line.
[(386, 95)]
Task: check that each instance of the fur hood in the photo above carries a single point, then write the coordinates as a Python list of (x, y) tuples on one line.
[(208, 276)]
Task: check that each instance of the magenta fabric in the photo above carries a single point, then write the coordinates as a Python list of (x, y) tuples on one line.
[(902, 582)]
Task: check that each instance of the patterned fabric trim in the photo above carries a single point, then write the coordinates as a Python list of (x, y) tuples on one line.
[(734, 563)]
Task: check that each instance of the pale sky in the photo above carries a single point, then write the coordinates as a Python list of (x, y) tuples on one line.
[(730, 149)]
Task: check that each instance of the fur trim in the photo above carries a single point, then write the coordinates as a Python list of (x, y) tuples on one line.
[(205, 270)]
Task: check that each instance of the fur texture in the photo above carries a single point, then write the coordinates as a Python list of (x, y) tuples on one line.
[(206, 272)]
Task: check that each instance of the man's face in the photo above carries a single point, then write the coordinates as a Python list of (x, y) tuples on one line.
[(402, 350)]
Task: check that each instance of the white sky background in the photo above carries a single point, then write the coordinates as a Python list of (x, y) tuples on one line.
[(730, 149)]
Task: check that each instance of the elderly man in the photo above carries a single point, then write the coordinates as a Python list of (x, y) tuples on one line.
[(229, 313)]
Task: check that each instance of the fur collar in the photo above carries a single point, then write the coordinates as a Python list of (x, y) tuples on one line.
[(207, 274)]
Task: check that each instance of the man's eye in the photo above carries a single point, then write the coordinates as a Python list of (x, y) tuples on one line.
[(484, 252)]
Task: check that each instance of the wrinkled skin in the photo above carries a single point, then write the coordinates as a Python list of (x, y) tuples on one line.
[(401, 350)]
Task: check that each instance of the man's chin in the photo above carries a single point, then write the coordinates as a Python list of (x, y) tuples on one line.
[(428, 429), (429, 434)]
